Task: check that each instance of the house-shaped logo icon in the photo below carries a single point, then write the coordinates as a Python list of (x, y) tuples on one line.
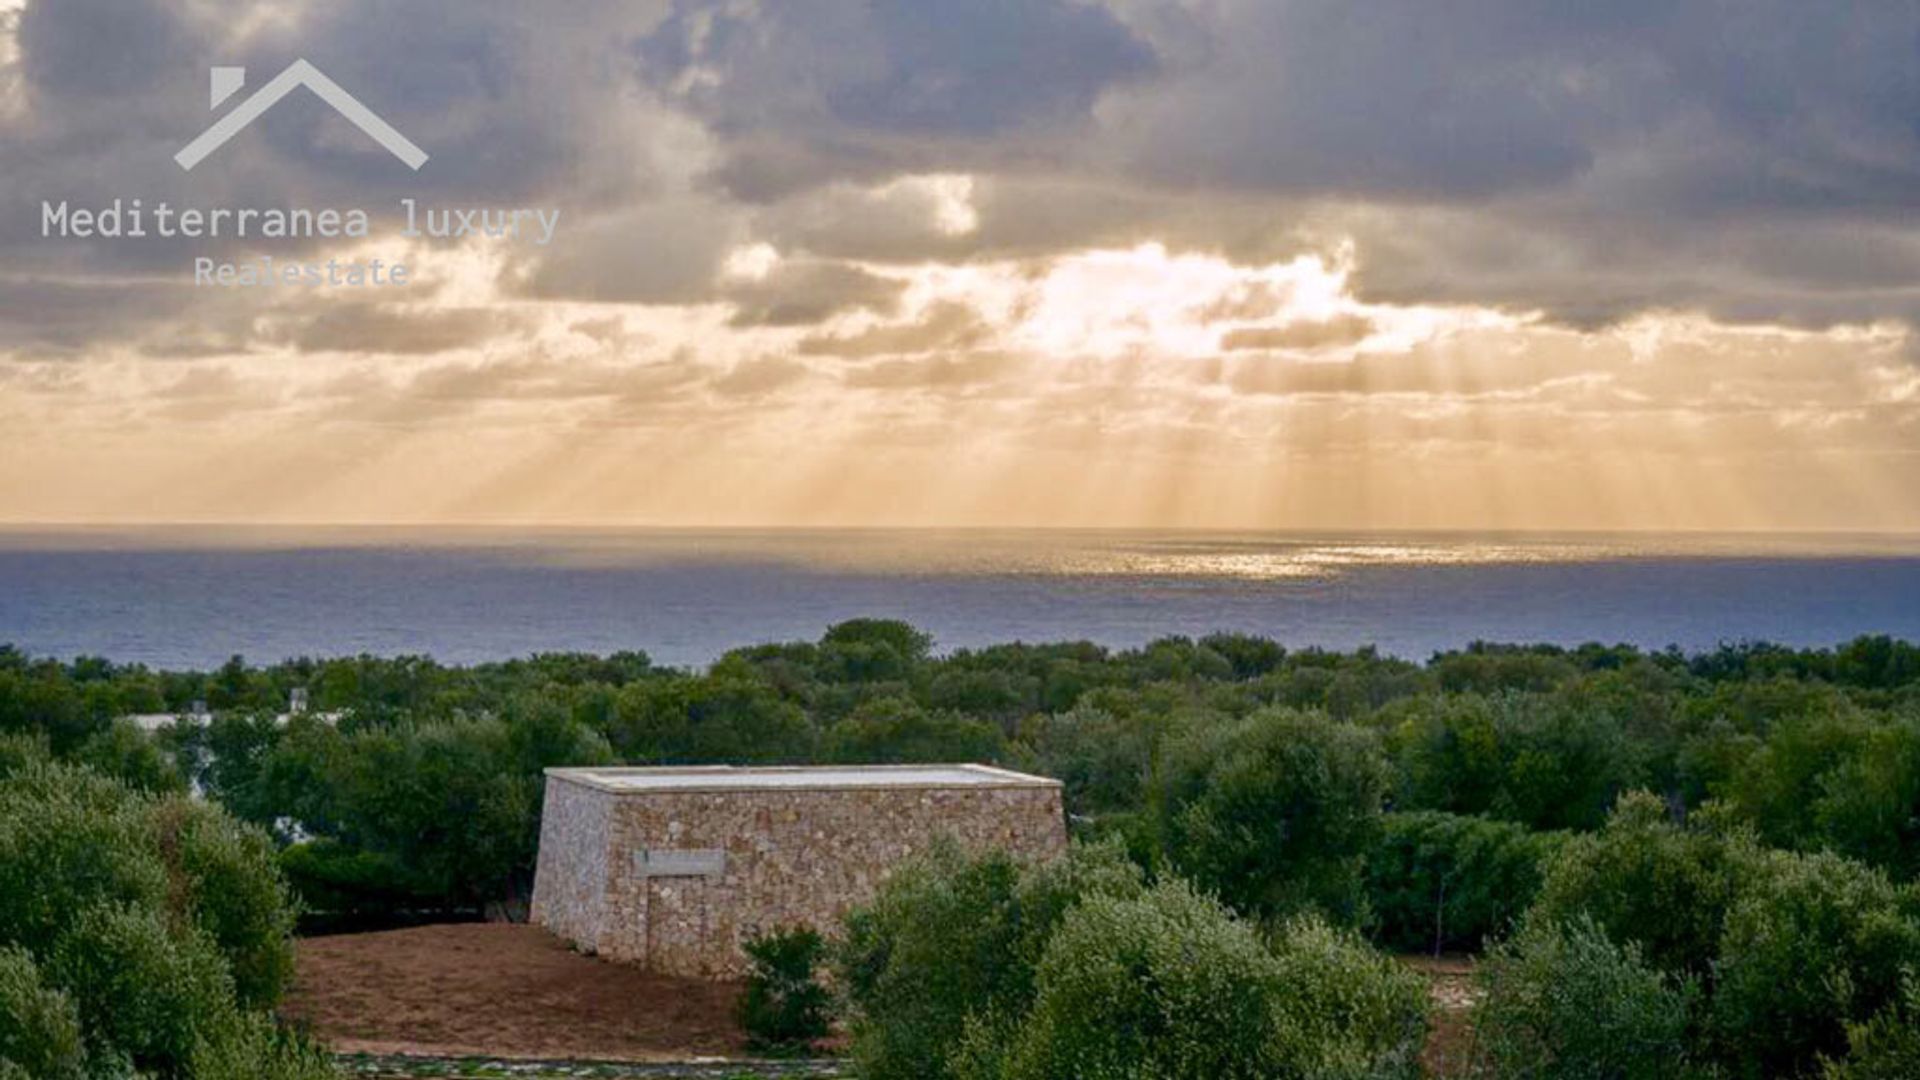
[(227, 81)]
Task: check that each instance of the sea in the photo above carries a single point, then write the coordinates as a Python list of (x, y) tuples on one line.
[(191, 597)]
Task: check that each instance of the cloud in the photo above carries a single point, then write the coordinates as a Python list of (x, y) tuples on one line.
[(947, 324), (374, 329), (668, 251), (807, 292), (1259, 257), (1304, 335), (758, 377), (807, 92)]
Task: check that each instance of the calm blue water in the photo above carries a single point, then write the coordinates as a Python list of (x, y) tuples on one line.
[(182, 597)]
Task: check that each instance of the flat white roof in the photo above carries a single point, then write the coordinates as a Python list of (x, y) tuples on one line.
[(729, 778)]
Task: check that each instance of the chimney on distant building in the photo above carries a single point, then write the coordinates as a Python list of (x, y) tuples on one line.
[(198, 709), (297, 701)]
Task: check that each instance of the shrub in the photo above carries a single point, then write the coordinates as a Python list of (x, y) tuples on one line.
[(1103, 760), (1887, 1046), (899, 731), (153, 924), (784, 1005), (1344, 1005), (331, 877), (1816, 942), (1170, 985), (1440, 881), (69, 840), (253, 1047), (1644, 880), (139, 988), (20, 749), (39, 1025), (1565, 1003), (229, 881), (131, 756), (1275, 814), (1789, 950), (953, 940), (452, 807)]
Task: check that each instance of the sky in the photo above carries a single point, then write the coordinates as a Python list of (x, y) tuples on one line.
[(1248, 264)]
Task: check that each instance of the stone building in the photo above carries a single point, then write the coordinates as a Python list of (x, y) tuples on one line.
[(675, 867)]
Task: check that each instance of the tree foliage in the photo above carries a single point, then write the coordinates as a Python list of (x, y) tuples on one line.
[(138, 934)]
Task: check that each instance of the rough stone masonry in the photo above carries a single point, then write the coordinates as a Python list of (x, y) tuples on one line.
[(675, 867)]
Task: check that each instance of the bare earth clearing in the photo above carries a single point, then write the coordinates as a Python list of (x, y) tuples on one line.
[(501, 991), (507, 992)]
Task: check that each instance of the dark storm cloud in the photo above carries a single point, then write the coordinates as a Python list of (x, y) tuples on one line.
[(1588, 160), (811, 91), (1759, 160), (517, 108), (105, 49), (895, 66), (1782, 104)]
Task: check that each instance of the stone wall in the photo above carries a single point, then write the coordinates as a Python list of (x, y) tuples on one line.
[(570, 878), (678, 880)]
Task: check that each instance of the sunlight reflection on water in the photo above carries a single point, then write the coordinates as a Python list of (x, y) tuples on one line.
[(196, 596)]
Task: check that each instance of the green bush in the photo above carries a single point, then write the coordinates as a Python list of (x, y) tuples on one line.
[(253, 1047), (332, 878), (141, 989), (1643, 880), (898, 731), (1885, 1047), (1869, 805), (39, 1025), (450, 808), (1440, 881), (784, 1006), (1275, 814), (228, 880), (1565, 1003), (1790, 952), (953, 940), (1545, 760), (1344, 1005), (161, 924), (70, 840), (20, 749), (131, 756), (1102, 760), (1170, 985), (1815, 943)]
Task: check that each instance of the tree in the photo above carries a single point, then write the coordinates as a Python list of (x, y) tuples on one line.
[(1275, 813), (1563, 1002), (953, 940), (137, 934), (1169, 984), (897, 731), (1441, 881), (1643, 880), (872, 650), (730, 718)]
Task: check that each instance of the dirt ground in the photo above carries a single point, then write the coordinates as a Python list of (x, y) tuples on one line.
[(1450, 1040), (502, 991), (515, 992)]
